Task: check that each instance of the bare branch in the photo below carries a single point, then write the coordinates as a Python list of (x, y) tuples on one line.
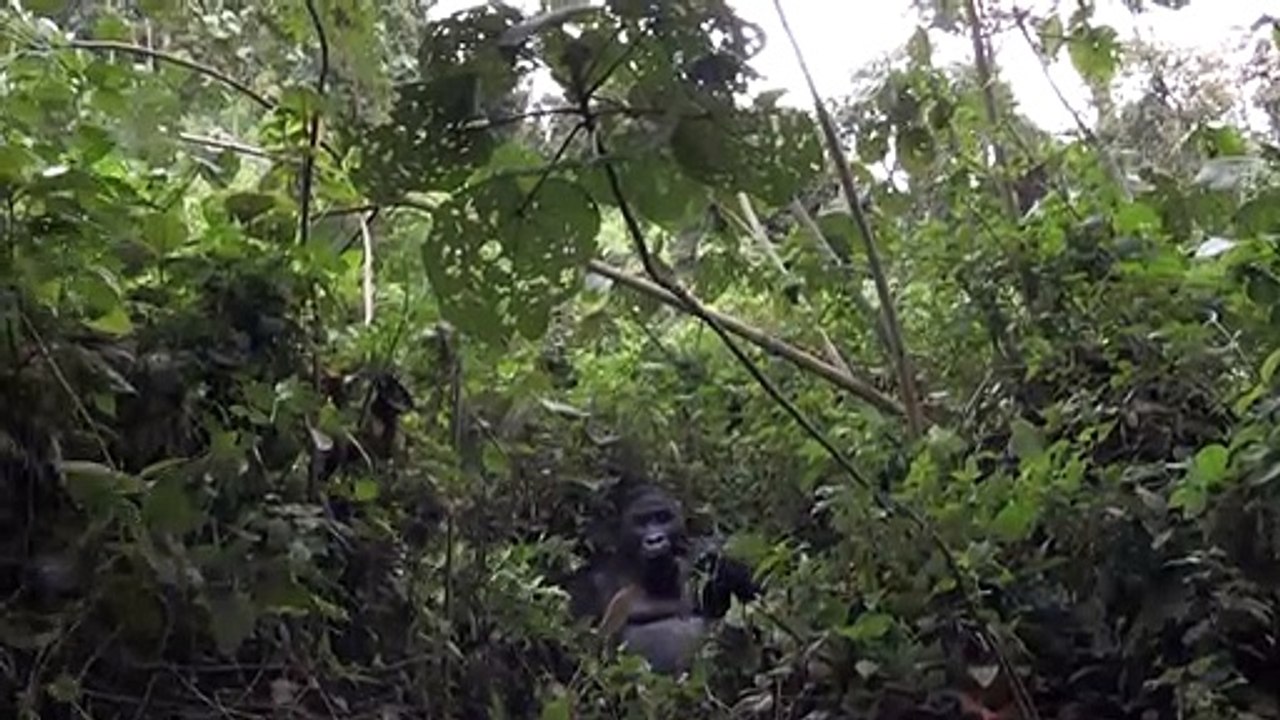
[(860, 388), (897, 349)]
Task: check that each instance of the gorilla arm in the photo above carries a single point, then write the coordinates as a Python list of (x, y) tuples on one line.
[(727, 578), (664, 631)]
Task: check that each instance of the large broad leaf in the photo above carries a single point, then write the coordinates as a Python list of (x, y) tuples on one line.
[(1095, 53), (431, 142), (96, 487), (169, 508), (772, 154), (499, 259), (1209, 467)]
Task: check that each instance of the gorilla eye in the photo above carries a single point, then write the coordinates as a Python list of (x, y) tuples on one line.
[(662, 516)]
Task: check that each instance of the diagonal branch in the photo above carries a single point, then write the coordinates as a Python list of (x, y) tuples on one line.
[(859, 387), (199, 68), (893, 330), (196, 67)]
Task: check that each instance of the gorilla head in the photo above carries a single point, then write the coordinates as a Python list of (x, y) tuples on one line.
[(652, 532)]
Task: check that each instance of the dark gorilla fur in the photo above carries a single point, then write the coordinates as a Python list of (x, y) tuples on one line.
[(652, 552)]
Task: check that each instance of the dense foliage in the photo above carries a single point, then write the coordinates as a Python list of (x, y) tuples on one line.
[(320, 336)]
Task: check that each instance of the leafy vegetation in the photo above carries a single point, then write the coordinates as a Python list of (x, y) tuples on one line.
[(322, 334)]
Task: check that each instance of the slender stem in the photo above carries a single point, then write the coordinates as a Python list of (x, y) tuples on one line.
[(902, 362), (192, 65)]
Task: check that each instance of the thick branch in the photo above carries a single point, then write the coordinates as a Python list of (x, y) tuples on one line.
[(861, 389)]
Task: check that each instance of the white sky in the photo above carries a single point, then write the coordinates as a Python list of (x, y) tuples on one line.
[(841, 36)]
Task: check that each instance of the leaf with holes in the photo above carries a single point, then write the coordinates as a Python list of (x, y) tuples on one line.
[(771, 154), (499, 259), (430, 142)]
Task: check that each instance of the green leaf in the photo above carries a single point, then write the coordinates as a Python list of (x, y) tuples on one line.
[(1210, 465), (919, 49), (660, 191), (164, 232), (559, 708), (1261, 214), (364, 490), (49, 8), (499, 260), (111, 26), (1095, 53), (115, 322), (771, 154), (1052, 36), (96, 487), (1269, 367), (1026, 441), (168, 508), (15, 164), (232, 618), (1015, 520), (1136, 217), (247, 206), (280, 592), (427, 144), (1190, 498), (869, 626), (160, 467), (916, 149)]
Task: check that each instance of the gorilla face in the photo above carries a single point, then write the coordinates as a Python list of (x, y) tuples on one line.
[(652, 527)]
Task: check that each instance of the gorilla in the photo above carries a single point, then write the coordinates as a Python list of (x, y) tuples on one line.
[(643, 589)]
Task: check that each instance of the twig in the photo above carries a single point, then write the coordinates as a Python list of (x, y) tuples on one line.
[(207, 71), (986, 80), (860, 387), (855, 292), (1090, 137), (757, 231), (367, 271), (313, 130), (902, 362), (70, 391), (199, 68), (232, 145)]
